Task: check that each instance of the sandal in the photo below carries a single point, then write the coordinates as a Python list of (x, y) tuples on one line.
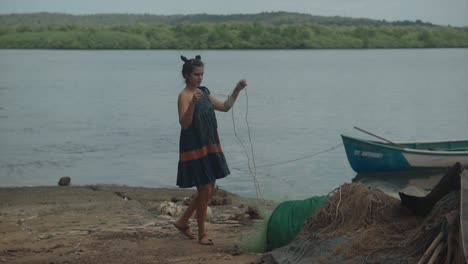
[(186, 231), (204, 240)]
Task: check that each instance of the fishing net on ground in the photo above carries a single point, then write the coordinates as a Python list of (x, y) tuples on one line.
[(361, 224)]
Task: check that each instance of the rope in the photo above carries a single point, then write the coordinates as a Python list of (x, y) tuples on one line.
[(300, 158), (254, 172)]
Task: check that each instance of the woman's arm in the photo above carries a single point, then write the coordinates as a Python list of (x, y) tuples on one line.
[(186, 105), (226, 105)]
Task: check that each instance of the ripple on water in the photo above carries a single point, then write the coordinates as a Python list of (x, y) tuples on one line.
[(10, 169), (72, 148)]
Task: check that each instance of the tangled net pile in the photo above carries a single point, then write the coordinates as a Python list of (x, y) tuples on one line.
[(374, 228)]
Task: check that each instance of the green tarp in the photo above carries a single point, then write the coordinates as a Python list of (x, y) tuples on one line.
[(288, 219)]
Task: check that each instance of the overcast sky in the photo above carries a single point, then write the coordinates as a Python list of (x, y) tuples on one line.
[(443, 12)]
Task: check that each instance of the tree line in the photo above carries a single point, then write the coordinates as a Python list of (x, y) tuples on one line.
[(274, 18), (228, 35)]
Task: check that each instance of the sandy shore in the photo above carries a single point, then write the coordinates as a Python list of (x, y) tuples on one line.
[(115, 224)]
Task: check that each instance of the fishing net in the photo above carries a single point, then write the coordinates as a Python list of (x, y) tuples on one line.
[(256, 241), (362, 224)]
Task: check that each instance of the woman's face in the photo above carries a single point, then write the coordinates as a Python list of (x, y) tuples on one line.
[(196, 77)]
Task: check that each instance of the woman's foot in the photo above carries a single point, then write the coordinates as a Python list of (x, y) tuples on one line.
[(186, 231), (205, 240)]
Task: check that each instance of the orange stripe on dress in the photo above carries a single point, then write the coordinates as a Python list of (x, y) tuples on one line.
[(201, 152)]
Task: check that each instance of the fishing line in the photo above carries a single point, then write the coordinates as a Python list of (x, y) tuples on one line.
[(297, 159), (254, 172), (301, 158), (248, 131), (251, 163)]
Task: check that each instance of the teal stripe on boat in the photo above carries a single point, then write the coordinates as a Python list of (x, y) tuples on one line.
[(365, 156)]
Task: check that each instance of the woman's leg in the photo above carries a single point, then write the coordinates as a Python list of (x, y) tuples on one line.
[(204, 194), (184, 219), (183, 223), (213, 186)]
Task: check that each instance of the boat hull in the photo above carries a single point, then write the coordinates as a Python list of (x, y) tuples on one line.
[(369, 156)]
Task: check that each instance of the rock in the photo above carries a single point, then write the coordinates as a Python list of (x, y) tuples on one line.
[(165, 217), (167, 208), (222, 216), (220, 197), (64, 181), (187, 200), (170, 208), (236, 251), (123, 196), (176, 199), (238, 217), (253, 212), (209, 214)]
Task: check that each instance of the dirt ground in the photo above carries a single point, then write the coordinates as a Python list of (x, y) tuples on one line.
[(116, 224)]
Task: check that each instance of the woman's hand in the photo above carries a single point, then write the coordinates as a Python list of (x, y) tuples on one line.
[(241, 84), (196, 95)]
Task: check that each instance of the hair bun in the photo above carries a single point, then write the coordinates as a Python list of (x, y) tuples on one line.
[(198, 57), (183, 58)]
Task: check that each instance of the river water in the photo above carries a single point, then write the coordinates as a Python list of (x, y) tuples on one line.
[(110, 117)]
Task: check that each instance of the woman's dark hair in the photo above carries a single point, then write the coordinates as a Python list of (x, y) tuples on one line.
[(189, 65)]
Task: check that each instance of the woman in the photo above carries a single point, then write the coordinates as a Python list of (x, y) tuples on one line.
[(201, 161)]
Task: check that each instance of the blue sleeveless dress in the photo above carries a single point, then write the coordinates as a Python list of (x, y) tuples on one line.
[(201, 159)]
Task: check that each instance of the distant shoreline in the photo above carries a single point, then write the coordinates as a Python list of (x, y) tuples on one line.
[(277, 30), (279, 49)]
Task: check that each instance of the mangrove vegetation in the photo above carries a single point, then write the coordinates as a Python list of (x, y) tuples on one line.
[(279, 30)]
